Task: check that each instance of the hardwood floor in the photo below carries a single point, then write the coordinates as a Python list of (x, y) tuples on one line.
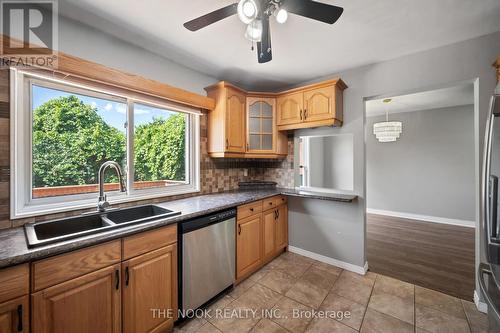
[(431, 255)]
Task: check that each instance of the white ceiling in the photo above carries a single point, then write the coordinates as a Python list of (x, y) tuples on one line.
[(427, 100), (303, 49)]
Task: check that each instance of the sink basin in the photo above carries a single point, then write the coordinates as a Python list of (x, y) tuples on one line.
[(43, 233), (139, 214)]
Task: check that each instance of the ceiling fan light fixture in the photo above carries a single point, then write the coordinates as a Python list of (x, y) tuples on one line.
[(281, 15), (247, 11), (254, 31)]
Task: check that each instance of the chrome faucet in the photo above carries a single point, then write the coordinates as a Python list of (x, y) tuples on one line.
[(103, 203)]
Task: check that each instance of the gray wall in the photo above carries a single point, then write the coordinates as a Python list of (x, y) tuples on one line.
[(338, 155), (429, 170), (88, 43), (440, 67)]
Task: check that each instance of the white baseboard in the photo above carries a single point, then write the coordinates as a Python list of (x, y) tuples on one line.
[(344, 265), (424, 218), (481, 306)]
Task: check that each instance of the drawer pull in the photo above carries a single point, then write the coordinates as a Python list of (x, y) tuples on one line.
[(20, 318), (117, 276), (270, 203), (251, 209)]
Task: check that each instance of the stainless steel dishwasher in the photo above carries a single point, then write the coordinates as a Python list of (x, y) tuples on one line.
[(208, 258)]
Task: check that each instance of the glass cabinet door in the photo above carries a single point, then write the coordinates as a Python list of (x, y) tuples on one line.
[(260, 125)]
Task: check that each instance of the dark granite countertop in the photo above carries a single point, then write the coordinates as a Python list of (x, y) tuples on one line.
[(14, 248)]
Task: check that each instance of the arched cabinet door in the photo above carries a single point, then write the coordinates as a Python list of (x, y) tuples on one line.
[(235, 122), (290, 108), (319, 104)]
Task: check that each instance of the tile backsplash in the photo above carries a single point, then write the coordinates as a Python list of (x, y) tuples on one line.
[(216, 175)]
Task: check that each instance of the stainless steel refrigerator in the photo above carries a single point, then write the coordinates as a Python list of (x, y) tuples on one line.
[(489, 273)]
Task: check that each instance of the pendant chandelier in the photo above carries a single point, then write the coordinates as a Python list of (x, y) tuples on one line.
[(387, 131)]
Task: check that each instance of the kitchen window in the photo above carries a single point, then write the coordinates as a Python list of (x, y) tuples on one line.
[(63, 130)]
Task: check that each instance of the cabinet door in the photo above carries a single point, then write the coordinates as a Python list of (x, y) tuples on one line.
[(248, 245), (14, 315), (149, 283), (290, 109), (319, 104), (261, 125), (90, 303), (282, 227), (269, 233), (235, 122)]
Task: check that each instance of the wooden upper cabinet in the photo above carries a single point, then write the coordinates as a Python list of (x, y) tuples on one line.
[(90, 303), (235, 122), (150, 282), (243, 125), (261, 125), (290, 108), (319, 104)]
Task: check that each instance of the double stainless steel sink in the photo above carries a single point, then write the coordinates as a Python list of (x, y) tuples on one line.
[(43, 233)]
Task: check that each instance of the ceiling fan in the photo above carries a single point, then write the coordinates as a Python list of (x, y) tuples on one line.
[(256, 13)]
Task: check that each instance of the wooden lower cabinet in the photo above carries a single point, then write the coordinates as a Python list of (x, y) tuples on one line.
[(14, 315), (269, 234), (150, 291), (90, 303), (281, 228), (248, 245), (261, 236)]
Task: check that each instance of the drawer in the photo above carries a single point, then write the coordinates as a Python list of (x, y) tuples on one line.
[(51, 271), (148, 241), (249, 209), (269, 203), (280, 199), (14, 282)]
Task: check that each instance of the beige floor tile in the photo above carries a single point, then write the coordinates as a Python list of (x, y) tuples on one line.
[(439, 301), (354, 287), (296, 257), (236, 317), (395, 306), (337, 303), (376, 322), (476, 319), (220, 303), (294, 322), (320, 277), (329, 268), (436, 321), (394, 287), (259, 297), (327, 325), (369, 277), (190, 326), (479, 329), (278, 280), (268, 326), (295, 269), (241, 288), (260, 273), (307, 293), (208, 328)]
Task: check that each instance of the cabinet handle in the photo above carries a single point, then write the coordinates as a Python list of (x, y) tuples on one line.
[(278, 216), (248, 147), (117, 276), (127, 276), (270, 203), (300, 114), (305, 114), (275, 215), (20, 318), (251, 209), (227, 143), (239, 229)]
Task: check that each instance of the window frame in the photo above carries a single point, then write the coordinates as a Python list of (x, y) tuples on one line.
[(21, 122)]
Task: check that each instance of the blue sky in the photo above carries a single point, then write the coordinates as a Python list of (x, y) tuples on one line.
[(113, 113)]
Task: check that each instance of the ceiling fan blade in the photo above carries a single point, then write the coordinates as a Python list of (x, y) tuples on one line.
[(314, 10), (212, 17), (264, 52)]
